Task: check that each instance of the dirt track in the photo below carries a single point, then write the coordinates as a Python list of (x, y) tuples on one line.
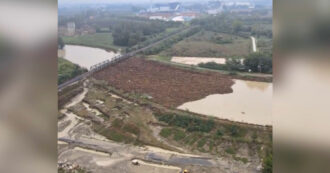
[(168, 85)]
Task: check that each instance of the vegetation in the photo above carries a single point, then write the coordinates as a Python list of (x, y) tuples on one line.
[(201, 142), (119, 30), (60, 43), (76, 170), (129, 124), (68, 70), (129, 33), (231, 65), (233, 24), (236, 131), (165, 132), (268, 164), (254, 62), (100, 40), (259, 62), (230, 150), (169, 42), (187, 122), (210, 44)]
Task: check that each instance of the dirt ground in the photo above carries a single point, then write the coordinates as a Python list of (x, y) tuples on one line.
[(167, 85)]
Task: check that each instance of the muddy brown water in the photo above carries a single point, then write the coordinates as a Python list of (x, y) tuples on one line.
[(87, 56), (249, 102)]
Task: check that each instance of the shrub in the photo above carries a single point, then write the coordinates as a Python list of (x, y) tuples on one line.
[(165, 132), (179, 134), (259, 62), (187, 122), (268, 164), (236, 131), (131, 128), (201, 143), (219, 132), (230, 150)]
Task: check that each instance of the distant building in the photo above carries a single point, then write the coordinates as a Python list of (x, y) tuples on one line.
[(159, 18), (178, 19), (184, 16), (71, 28), (165, 7)]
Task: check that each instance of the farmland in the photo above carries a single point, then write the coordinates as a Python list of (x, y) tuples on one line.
[(164, 84), (99, 40), (211, 44)]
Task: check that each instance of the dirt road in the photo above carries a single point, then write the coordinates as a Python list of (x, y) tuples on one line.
[(80, 145), (254, 45)]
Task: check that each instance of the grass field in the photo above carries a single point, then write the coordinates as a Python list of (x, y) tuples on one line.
[(99, 40), (211, 44), (68, 70), (264, 44)]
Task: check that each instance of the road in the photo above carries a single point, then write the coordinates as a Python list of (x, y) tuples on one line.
[(254, 45), (124, 56)]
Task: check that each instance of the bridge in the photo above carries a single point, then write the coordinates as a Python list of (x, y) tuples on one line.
[(116, 59)]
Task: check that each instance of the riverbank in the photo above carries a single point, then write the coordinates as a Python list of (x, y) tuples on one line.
[(99, 153), (87, 56), (97, 40), (258, 77)]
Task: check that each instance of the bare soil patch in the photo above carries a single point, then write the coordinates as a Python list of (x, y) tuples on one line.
[(167, 85)]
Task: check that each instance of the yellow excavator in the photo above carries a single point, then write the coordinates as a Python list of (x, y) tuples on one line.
[(185, 171)]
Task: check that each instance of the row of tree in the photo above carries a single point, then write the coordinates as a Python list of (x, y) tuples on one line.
[(174, 39), (229, 23), (129, 33), (127, 30), (255, 62)]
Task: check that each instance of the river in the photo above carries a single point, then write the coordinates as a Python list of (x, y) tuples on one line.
[(87, 56), (249, 102)]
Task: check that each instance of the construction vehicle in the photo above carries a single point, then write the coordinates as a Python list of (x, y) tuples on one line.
[(185, 171)]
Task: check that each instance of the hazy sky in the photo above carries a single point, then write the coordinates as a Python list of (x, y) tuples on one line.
[(121, 1), (61, 2)]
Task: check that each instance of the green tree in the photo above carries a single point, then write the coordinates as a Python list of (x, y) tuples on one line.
[(237, 26), (268, 164), (60, 43), (258, 62)]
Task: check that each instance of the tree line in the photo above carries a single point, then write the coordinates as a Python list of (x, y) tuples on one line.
[(231, 24), (127, 30), (254, 62)]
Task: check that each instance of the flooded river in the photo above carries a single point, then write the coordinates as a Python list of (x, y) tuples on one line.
[(250, 102), (86, 56)]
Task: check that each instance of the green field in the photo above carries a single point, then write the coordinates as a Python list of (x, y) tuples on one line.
[(99, 40), (67, 70), (264, 44), (211, 44)]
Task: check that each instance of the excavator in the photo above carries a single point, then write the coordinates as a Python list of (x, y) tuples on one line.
[(185, 171)]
